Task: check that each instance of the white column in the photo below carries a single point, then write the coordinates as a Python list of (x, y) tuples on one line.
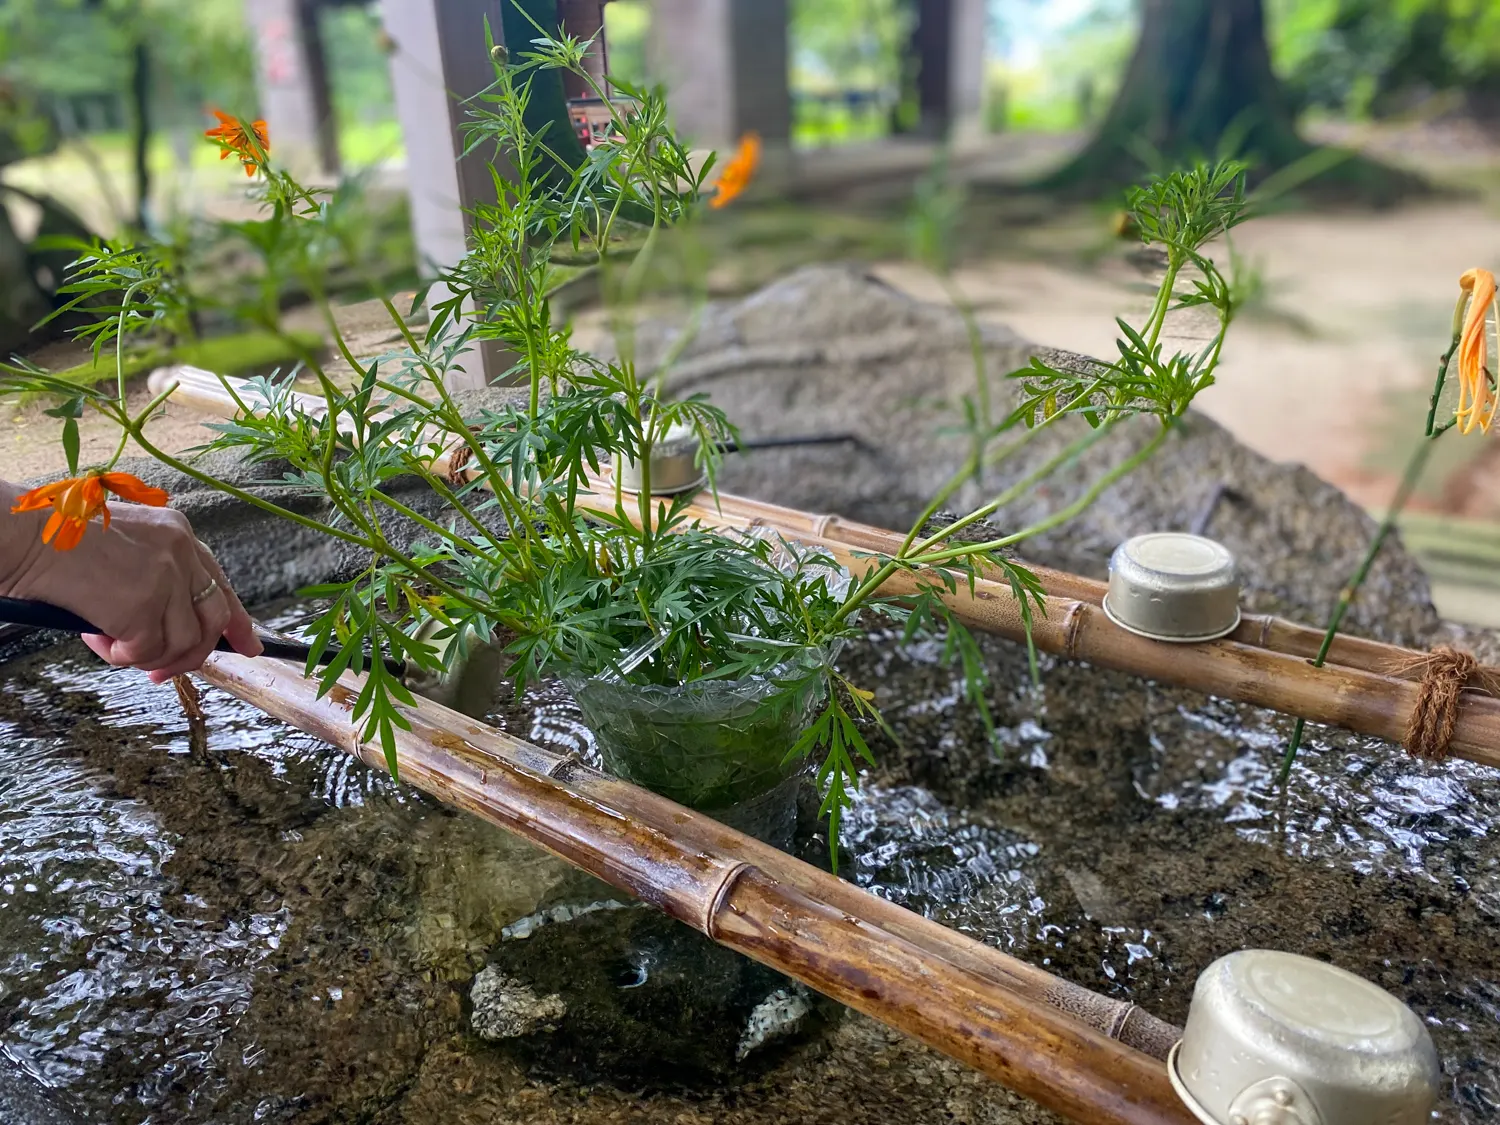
[(948, 41), (966, 63), (292, 79), (438, 59), (725, 66)]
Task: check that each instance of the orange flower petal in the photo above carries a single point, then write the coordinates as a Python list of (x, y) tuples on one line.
[(39, 498), (73, 504), (70, 535), (738, 172), (1474, 393), (127, 486)]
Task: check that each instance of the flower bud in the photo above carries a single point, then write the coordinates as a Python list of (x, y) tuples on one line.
[(499, 54)]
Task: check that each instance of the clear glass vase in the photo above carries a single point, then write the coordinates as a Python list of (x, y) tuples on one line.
[(717, 746)]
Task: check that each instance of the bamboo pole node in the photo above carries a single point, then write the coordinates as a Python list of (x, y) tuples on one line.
[(714, 903), (1258, 628), (1072, 626), (1446, 672)]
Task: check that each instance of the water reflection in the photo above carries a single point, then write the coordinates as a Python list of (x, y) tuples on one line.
[(257, 928)]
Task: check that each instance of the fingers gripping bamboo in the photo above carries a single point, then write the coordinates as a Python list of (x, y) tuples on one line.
[(751, 898)]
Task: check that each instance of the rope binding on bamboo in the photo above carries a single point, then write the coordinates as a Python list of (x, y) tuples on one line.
[(1446, 672)]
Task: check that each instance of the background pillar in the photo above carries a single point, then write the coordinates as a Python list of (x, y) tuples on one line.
[(584, 19), (439, 58), (948, 45), (725, 66), (292, 77)]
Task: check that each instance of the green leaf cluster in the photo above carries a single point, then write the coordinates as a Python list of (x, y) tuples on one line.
[(574, 576)]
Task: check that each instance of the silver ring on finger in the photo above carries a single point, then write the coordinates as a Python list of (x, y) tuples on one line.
[(207, 592)]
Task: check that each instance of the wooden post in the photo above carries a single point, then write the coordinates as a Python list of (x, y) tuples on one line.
[(725, 66), (948, 45), (292, 75), (439, 59), (584, 19)]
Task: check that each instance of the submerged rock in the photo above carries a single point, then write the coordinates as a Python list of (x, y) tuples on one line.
[(778, 1016), (25, 1101), (504, 1008), (648, 1001)]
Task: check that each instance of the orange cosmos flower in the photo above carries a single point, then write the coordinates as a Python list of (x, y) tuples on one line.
[(738, 172), (1477, 401), (231, 136), (77, 500)]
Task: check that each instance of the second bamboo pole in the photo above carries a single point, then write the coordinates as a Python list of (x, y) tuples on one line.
[(705, 875)]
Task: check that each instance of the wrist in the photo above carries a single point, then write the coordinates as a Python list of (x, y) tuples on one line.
[(20, 537)]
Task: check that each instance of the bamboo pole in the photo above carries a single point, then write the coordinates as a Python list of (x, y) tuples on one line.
[(750, 898), (1261, 630), (1363, 702), (1373, 694), (1076, 628), (204, 391)]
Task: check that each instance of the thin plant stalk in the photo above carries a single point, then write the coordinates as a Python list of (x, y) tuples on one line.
[(1409, 480)]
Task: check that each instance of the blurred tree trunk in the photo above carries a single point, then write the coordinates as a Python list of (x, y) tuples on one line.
[(140, 123), (1200, 80)]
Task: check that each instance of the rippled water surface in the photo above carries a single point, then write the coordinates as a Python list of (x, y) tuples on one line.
[(242, 925)]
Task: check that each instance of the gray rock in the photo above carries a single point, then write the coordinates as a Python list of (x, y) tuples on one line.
[(830, 349), (504, 1008), (778, 1016)]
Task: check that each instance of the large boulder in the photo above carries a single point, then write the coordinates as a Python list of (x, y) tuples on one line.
[(831, 349)]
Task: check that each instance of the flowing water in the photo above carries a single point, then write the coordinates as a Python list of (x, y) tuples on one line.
[(238, 924)]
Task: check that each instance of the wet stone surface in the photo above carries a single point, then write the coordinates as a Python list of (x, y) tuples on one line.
[(241, 925)]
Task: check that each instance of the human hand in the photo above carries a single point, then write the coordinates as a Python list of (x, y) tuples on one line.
[(157, 594)]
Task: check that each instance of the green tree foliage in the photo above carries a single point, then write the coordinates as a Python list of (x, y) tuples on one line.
[(1382, 57), (60, 48), (849, 43)]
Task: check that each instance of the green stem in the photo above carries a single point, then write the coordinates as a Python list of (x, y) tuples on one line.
[(1124, 468), (1437, 387), (120, 371), (981, 375), (1073, 449), (1409, 480), (452, 499), (434, 527), (1163, 300), (454, 418), (379, 548)]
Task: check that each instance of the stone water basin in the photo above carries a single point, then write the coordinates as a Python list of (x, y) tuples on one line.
[(247, 926), (244, 925)]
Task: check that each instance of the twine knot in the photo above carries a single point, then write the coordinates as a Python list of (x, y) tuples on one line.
[(1445, 673), (458, 462)]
